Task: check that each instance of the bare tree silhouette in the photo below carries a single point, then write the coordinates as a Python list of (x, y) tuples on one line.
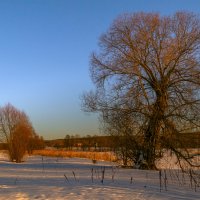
[(148, 66)]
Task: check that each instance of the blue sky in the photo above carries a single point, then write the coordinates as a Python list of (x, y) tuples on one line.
[(45, 48)]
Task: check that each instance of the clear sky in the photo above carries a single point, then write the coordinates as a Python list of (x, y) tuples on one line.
[(45, 48)]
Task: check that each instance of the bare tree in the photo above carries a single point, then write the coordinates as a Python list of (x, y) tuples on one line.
[(15, 130), (68, 142), (35, 142), (149, 67), (119, 125)]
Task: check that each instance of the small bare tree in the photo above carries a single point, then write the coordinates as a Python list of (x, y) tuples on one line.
[(36, 142), (127, 143), (149, 66), (15, 130)]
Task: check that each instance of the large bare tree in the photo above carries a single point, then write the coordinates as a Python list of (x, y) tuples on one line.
[(148, 66)]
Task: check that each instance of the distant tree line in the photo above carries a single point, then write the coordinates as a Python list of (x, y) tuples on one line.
[(111, 142), (86, 143)]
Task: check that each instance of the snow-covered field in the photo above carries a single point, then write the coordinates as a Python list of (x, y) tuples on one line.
[(75, 178)]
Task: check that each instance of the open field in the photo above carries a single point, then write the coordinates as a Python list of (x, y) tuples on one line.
[(43, 177)]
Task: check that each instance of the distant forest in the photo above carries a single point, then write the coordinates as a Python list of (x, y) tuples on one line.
[(100, 143)]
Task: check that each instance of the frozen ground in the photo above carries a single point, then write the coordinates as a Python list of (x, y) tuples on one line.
[(78, 179)]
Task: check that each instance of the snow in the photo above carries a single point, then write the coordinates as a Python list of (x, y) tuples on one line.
[(74, 178)]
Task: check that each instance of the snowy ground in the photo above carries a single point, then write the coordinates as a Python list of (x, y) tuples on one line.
[(74, 178)]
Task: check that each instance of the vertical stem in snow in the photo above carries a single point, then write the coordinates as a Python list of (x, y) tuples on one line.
[(146, 178), (66, 178), (113, 174), (160, 178), (74, 175), (43, 164), (96, 173), (177, 175), (190, 173), (165, 180), (92, 175), (191, 180), (131, 180), (103, 173), (183, 178)]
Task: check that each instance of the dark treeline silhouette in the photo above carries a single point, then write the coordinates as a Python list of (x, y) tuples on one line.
[(101, 143), (86, 143)]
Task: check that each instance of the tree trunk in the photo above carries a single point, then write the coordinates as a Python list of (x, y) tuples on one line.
[(152, 133)]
